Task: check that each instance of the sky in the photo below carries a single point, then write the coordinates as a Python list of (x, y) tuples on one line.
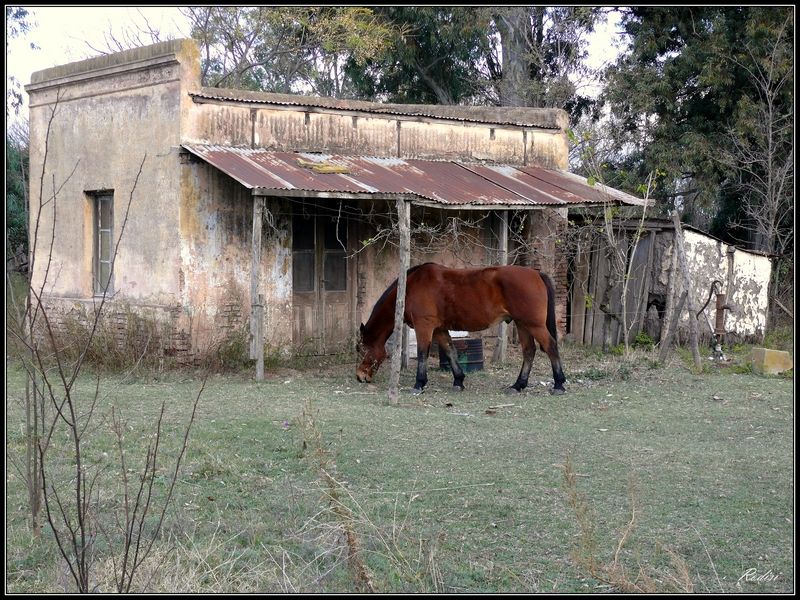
[(61, 34), (64, 34)]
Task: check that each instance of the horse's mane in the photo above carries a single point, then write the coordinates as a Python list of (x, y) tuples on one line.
[(386, 293)]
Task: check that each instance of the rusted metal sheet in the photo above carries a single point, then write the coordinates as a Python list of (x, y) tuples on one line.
[(442, 182), (579, 186), (545, 118)]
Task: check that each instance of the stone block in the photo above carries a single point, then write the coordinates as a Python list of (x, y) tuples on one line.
[(769, 362)]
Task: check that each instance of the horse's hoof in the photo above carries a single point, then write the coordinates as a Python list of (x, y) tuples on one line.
[(416, 392), (558, 391), (511, 390), (458, 388)]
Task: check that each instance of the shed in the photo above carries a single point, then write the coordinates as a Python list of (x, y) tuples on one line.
[(743, 276), (272, 214)]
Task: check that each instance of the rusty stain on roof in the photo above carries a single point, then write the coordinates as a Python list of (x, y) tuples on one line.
[(448, 183)]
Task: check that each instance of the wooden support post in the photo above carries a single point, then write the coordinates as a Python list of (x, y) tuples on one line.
[(256, 300), (404, 224), (259, 312), (501, 349), (693, 333)]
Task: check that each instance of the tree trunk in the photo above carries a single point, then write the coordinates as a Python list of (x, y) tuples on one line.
[(698, 362), (514, 26)]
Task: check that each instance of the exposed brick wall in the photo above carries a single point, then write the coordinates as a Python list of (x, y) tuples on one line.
[(154, 330), (545, 233)]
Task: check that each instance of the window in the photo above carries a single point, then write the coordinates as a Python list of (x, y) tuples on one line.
[(335, 267), (303, 254), (103, 242), (319, 247)]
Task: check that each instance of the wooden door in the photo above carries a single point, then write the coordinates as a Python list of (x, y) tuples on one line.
[(321, 277)]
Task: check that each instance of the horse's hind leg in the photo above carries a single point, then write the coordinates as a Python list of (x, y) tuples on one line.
[(528, 352), (442, 338), (550, 345)]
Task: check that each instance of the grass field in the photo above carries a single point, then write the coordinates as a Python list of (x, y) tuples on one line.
[(438, 494)]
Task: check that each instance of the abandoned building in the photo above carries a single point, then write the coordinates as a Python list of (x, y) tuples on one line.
[(221, 213)]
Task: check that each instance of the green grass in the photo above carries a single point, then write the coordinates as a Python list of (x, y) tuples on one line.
[(444, 496)]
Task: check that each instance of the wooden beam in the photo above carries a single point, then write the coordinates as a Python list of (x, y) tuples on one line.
[(256, 300), (404, 224), (579, 287)]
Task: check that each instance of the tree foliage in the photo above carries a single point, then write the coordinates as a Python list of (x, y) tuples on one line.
[(682, 96), (17, 25), (284, 49), (541, 54), (16, 188), (438, 56)]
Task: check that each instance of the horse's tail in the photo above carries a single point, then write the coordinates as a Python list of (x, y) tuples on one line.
[(551, 306)]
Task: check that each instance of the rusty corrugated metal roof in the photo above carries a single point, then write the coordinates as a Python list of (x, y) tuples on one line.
[(522, 116), (448, 183)]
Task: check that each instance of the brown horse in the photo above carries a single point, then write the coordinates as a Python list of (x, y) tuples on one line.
[(439, 298)]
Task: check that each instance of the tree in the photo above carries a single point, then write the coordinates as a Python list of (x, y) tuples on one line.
[(509, 56), (761, 149), (283, 49), (438, 56), (17, 24), (674, 97), (16, 187), (63, 480), (541, 50)]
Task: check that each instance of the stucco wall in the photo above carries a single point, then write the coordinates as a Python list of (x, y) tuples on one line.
[(108, 118), (707, 260), (749, 294), (216, 229)]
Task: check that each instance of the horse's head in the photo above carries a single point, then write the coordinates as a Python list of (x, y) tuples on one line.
[(372, 354)]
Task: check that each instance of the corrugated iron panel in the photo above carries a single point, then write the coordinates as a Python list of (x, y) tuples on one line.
[(498, 115), (577, 185), (443, 182)]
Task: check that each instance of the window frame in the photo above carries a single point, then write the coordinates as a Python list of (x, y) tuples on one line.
[(98, 229)]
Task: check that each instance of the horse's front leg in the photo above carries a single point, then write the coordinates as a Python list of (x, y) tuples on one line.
[(424, 335), (442, 337)]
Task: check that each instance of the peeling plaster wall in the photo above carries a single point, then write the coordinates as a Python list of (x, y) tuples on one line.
[(707, 260), (216, 229), (750, 294)]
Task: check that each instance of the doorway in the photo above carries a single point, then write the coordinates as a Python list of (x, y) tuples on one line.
[(322, 276)]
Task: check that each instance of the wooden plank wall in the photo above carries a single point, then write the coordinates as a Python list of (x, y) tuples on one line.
[(591, 273)]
